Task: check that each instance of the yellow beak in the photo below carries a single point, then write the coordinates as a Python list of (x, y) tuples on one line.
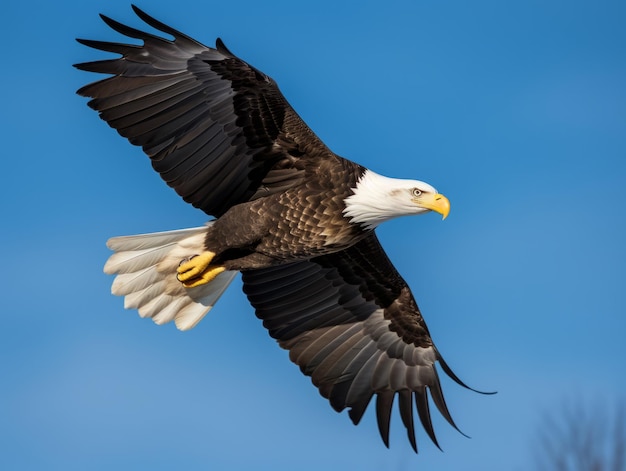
[(434, 202)]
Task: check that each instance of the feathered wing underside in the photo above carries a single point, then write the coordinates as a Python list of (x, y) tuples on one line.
[(350, 322), (217, 130), (145, 266)]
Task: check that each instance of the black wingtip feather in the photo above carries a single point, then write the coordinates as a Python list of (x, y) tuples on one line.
[(127, 30), (384, 403), (447, 370), (156, 24), (437, 395), (221, 47), (138, 11), (359, 407), (405, 404), (116, 48), (423, 410), (108, 66)]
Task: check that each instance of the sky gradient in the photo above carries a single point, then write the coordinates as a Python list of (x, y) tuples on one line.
[(516, 111)]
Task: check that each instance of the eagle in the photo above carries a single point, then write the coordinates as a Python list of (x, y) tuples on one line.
[(295, 219)]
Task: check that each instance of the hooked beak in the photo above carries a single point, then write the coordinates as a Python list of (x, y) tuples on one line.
[(434, 202)]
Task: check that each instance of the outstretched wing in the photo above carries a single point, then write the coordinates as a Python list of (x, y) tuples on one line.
[(217, 130), (351, 323)]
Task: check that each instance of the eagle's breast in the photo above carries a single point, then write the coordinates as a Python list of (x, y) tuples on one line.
[(308, 220)]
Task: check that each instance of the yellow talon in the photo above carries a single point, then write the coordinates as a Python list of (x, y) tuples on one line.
[(195, 266), (204, 278), (197, 271)]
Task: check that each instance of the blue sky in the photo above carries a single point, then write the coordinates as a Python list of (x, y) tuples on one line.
[(515, 110)]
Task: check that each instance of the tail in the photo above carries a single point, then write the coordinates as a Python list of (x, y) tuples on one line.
[(145, 266)]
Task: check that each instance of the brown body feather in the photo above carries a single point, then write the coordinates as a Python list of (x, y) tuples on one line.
[(304, 221)]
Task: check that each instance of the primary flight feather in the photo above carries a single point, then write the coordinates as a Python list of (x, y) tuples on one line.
[(295, 219)]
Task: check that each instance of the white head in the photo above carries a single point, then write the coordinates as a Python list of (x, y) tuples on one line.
[(377, 199)]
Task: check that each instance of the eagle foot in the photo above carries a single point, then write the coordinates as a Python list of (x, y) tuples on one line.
[(197, 270)]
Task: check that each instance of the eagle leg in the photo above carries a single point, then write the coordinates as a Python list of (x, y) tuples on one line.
[(198, 270)]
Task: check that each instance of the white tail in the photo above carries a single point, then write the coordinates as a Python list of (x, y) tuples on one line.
[(146, 265)]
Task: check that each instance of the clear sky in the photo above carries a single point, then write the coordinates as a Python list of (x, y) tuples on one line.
[(515, 110)]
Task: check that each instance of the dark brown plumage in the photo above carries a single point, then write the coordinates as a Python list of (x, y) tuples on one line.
[(222, 135)]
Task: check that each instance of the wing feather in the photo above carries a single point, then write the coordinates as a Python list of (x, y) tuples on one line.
[(214, 126), (384, 404), (423, 410), (352, 325), (405, 403)]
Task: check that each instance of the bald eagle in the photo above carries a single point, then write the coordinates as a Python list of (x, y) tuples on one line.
[(295, 219)]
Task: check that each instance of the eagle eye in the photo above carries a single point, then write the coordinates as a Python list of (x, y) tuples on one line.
[(416, 192)]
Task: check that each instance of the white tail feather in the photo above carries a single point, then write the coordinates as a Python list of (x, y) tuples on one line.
[(146, 265)]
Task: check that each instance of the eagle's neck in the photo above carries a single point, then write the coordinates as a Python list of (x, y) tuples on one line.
[(374, 200)]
